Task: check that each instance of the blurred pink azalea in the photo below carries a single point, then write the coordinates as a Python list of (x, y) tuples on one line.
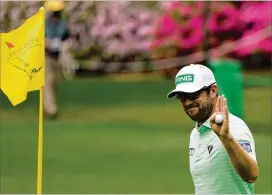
[(195, 33), (228, 15), (108, 32), (246, 45), (258, 12), (143, 45), (167, 26), (145, 30), (145, 16), (185, 10), (199, 5), (266, 45), (157, 43), (174, 5)]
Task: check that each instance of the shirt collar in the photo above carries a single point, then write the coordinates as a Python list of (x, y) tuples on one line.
[(205, 127)]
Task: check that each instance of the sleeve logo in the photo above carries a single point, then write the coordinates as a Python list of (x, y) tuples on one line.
[(246, 146)]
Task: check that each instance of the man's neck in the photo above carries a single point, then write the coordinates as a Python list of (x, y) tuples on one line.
[(199, 123)]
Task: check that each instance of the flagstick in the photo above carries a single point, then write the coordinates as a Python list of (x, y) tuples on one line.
[(40, 133), (40, 145)]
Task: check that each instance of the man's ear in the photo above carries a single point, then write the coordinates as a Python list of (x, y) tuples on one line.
[(214, 91)]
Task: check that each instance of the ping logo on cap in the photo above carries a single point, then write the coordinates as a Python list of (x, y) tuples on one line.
[(184, 78)]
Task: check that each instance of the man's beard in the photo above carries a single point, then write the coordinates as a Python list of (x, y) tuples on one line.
[(204, 112)]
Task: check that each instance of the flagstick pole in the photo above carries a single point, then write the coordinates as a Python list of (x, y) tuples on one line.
[(40, 145), (40, 132)]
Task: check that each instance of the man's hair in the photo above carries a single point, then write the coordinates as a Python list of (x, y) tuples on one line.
[(209, 89)]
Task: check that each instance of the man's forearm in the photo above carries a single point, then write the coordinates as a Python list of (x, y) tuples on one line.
[(245, 166)]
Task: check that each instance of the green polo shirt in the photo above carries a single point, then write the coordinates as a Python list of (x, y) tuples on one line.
[(211, 169)]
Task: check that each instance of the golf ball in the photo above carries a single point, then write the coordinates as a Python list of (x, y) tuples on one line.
[(219, 118)]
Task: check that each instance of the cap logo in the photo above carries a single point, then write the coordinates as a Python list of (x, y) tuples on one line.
[(185, 78)]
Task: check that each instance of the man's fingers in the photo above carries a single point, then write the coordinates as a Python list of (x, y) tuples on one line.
[(223, 104), (226, 110), (220, 104), (221, 107), (212, 119), (217, 105)]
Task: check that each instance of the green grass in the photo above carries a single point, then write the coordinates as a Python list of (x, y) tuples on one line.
[(115, 137)]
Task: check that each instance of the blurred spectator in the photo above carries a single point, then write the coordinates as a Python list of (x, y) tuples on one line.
[(57, 54)]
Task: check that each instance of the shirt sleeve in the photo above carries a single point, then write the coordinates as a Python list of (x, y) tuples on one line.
[(244, 137)]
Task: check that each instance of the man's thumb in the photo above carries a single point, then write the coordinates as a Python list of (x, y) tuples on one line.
[(212, 119)]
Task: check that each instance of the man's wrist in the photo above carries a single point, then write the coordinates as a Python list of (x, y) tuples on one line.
[(226, 138)]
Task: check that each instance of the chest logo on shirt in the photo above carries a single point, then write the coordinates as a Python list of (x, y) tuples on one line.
[(210, 148), (191, 151)]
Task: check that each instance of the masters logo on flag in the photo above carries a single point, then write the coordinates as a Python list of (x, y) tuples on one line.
[(19, 57), (185, 78), (22, 58)]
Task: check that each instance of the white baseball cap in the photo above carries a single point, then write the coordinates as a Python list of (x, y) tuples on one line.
[(192, 78)]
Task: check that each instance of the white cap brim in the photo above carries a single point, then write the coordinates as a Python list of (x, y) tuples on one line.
[(184, 89)]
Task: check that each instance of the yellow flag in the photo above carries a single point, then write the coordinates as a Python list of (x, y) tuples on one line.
[(22, 59)]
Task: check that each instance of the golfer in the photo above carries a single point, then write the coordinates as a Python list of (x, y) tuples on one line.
[(222, 155)]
